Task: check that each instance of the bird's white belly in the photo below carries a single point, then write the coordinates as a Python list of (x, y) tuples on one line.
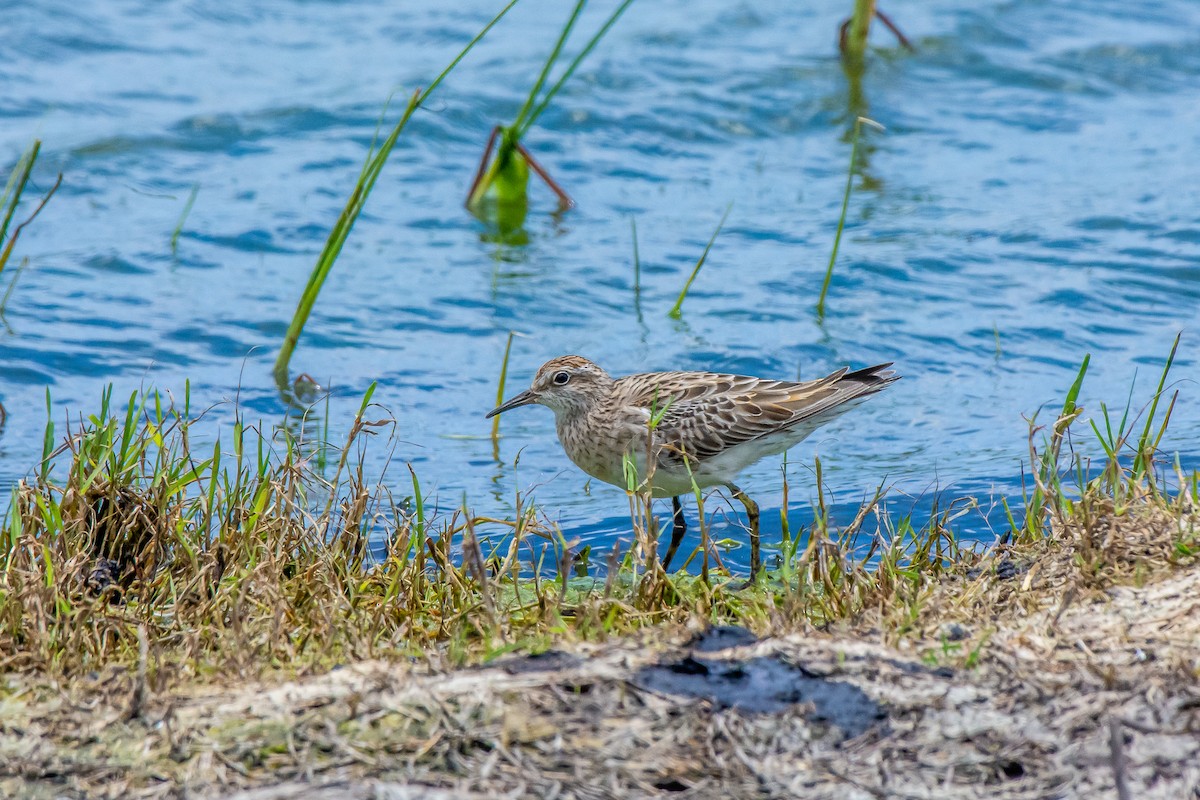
[(668, 480), (605, 458)]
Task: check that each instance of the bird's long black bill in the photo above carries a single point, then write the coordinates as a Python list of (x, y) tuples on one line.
[(523, 399)]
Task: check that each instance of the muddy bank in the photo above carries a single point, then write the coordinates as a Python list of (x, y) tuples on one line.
[(1069, 689)]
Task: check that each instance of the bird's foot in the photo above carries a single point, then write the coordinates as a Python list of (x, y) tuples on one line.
[(746, 584)]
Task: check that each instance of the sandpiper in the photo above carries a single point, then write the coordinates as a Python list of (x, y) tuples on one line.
[(700, 428)]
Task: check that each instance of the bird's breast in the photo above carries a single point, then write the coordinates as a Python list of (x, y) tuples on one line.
[(608, 447), (599, 446)]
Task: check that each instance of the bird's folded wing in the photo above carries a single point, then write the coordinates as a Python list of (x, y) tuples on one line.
[(701, 415)]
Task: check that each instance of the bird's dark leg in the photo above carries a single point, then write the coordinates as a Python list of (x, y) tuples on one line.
[(677, 532), (752, 518)]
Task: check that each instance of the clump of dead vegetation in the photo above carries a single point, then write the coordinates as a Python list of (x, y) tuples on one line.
[(1089, 527)]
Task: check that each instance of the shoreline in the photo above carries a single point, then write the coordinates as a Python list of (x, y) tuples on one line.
[(180, 624), (1061, 668)]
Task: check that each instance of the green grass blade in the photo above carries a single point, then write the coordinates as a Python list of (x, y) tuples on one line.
[(500, 394), (637, 261), (12, 284), (677, 309), (419, 508), (187, 209), (1142, 460), (16, 185), (354, 206), (1108, 450), (1162, 429), (337, 238), (12, 198), (541, 107), (1069, 405), (526, 116), (837, 238), (47, 440)]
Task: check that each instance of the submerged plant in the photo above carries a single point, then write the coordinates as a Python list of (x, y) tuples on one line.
[(499, 191), (853, 33)]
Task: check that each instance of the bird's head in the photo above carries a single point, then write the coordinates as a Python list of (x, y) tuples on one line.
[(565, 385)]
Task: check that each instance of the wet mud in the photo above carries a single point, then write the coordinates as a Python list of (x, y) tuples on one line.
[(765, 685)]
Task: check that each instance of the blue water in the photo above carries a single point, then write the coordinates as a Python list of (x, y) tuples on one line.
[(1034, 197)]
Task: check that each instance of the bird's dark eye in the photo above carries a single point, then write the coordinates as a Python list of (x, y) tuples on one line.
[(561, 378)]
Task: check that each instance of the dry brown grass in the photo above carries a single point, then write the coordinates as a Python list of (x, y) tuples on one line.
[(1082, 683)]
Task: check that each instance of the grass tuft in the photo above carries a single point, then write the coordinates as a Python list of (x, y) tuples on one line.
[(145, 534), (505, 178)]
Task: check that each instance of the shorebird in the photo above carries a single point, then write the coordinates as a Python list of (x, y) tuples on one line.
[(693, 429)]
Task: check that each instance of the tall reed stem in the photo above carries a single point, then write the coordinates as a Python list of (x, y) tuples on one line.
[(837, 238), (354, 206)]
